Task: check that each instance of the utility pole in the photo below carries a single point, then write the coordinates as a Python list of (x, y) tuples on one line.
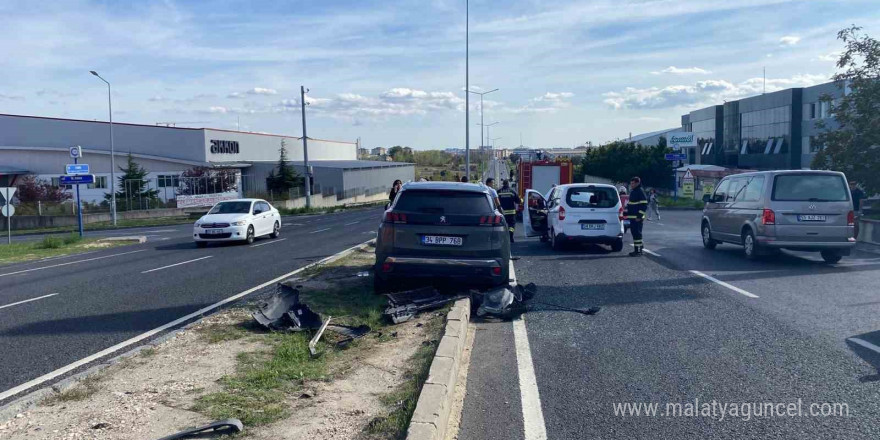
[(302, 99), (482, 139), (112, 150), (467, 96)]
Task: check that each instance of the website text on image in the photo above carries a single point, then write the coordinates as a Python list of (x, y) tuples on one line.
[(186, 201)]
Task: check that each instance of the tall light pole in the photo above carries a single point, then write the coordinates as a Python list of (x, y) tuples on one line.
[(482, 140), (112, 151), (495, 139), (467, 96), (302, 99), (487, 127)]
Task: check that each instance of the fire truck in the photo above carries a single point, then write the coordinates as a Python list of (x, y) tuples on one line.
[(541, 174)]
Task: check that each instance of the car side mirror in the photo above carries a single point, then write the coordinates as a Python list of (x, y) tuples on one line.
[(707, 198), (257, 211)]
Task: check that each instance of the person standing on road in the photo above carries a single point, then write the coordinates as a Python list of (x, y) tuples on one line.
[(857, 195), (653, 204), (635, 212), (395, 188), (490, 183), (509, 200)]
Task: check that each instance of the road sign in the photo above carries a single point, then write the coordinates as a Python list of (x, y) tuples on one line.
[(688, 175), (77, 180), (7, 210), (687, 188), (676, 156), (682, 139), (77, 168), (76, 152)]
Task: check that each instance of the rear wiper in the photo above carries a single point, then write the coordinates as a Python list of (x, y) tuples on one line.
[(817, 200)]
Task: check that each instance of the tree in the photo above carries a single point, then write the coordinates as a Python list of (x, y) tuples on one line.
[(204, 180), (400, 154), (134, 190), (32, 190), (619, 161), (854, 148), (283, 177)]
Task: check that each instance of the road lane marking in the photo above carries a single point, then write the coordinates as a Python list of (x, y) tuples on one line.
[(650, 252), (533, 416), (319, 230), (27, 300), (110, 350), (858, 341), (70, 262), (352, 223), (268, 242), (160, 231), (176, 264), (722, 283)]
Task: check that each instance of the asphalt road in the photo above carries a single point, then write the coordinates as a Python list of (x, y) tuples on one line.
[(666, 335), (56, 311)]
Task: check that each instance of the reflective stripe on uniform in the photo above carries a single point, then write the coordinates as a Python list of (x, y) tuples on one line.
[(510, 212), (640, 202), (511, 229)]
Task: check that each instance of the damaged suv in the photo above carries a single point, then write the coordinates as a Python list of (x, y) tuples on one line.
[(436, 231)]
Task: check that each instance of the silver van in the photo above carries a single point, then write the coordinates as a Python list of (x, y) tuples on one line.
[(801, 210)]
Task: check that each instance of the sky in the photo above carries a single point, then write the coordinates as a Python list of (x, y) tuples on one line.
[(392, 72)]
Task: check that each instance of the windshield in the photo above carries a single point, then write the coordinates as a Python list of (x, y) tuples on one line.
[(810, 188), (591, 197), (231, 208), (443, 202)]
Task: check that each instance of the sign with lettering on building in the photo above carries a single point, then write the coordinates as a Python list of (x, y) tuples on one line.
[(680, 139), (224, 147)]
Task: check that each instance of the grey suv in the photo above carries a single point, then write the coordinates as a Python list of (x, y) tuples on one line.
[(437, 231), (800, 210)]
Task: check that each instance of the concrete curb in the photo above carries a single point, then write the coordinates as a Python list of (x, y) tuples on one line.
[(127, 238), (431, 416)]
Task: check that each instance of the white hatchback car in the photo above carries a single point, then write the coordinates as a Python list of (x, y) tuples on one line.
[(237, 220), (576, 213)]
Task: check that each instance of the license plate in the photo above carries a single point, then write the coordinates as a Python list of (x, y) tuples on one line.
[(440, 240), (811, 218), (593, 226), (213, 231)]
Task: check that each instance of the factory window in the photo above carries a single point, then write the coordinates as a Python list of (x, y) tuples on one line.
[(100, 183), (169, 181), (813, 110)]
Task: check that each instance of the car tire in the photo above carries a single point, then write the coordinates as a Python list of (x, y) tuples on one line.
[(201, 244), (544, 239), (831, 257), (617, 246), (276, 230), (249, 238), (555, 244), (750, 245), (708, 242)]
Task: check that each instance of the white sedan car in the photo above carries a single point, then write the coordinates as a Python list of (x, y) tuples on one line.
[(237, 220)]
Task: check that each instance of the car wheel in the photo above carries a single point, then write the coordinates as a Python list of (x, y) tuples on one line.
[(617, 246), (750, 245), (831, 257), (201, 244), (555, 244), (708, 242), (276, 230), (250, 235)]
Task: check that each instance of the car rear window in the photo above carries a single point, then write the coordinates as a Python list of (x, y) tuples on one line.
[(810, 188), (591, 197), (443, 202)]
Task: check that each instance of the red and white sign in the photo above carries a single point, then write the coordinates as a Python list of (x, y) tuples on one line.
[(184, 201)]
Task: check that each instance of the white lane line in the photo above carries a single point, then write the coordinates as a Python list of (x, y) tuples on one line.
[(27, 300), (70, 262), (176, 264), (533, 416), (110, 350), (268, 242), (319, 230), (722, 283), (159, 231), (352, 223), (650, 252), (865, 344)]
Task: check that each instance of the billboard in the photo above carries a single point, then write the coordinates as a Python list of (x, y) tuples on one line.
[(680, 139), (184, 201)]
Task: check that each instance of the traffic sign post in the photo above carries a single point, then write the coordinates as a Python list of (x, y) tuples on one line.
[(77, 169), (8, 210)]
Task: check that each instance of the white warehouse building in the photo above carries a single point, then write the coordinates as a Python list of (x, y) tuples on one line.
[(39, 146)]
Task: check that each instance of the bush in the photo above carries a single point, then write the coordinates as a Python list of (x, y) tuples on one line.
[(51, 242)]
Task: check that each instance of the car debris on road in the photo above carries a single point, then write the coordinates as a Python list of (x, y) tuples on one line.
[(227, 426)]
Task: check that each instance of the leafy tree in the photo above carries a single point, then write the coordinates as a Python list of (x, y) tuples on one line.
[(620, 161), (32, 190), (283, 177), (204, 180), (400, 154), (855, 147), (133, 190)]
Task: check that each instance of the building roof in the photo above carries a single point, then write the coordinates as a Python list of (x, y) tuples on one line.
[(352, 164), (7, 170), (643, 136), (700, 167)]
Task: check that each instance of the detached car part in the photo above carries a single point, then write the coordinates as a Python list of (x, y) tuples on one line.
[(229, 426)]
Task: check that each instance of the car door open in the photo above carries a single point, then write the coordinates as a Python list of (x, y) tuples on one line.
[(535, 214)]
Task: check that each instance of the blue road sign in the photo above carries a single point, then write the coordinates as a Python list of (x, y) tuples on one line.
[(677, 156), (77, 180), (77, 168)]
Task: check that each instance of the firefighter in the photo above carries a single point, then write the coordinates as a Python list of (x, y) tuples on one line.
[(636, 207), (508, 200)]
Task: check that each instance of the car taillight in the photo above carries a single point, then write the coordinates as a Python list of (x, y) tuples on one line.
[(386, 267), (850, 218), (491, 220), (395, 217), (496, 271), (769, 217), (561, 213)]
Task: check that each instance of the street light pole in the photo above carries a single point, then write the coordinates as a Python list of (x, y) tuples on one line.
[(302, 98), (112, 151), (482, 140), (467, 96)]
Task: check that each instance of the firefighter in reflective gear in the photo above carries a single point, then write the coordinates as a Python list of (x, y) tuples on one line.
[(508, 199), (635, 212)]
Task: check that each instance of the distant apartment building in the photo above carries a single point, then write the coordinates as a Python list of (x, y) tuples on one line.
[(363, 152), (378, 151), (567, 153)]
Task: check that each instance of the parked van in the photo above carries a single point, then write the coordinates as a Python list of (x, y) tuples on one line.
[(802, 210), (576, 213)]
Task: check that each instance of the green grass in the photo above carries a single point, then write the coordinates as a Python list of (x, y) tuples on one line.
[(81, 391), (121, 223), (668, 202), (49, 246)]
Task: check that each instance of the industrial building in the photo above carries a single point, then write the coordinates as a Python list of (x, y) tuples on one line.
[(39, 146)]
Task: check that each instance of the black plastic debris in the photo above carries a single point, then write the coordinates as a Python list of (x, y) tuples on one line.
[(303, 318), (503, 302), (227, 426), (349, 331), (403, 306), (283, 311)]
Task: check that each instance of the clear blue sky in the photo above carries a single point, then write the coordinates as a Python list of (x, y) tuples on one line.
[(392, 72)]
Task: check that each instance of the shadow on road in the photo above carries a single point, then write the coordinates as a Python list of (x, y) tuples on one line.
[(138, 322), (869, 356)]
